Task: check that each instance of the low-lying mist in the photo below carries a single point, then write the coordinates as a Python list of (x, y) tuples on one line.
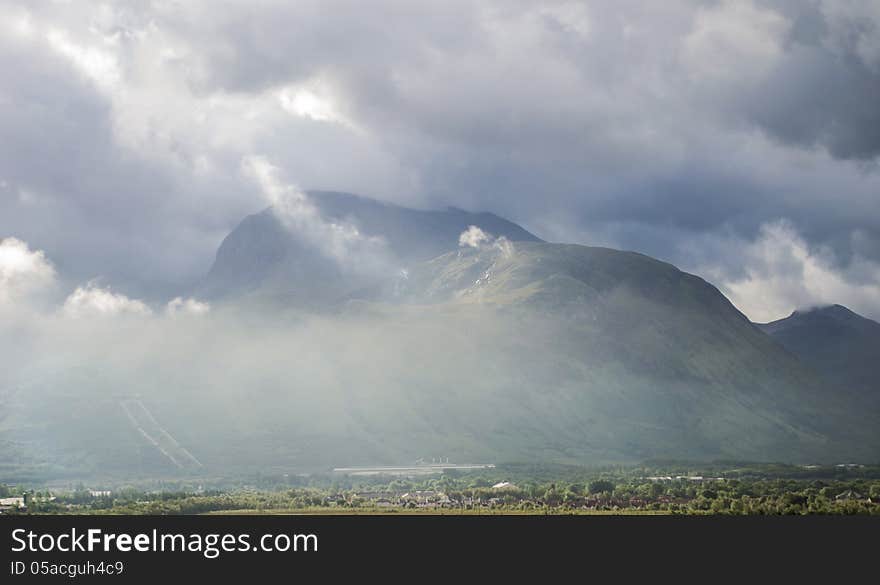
[(91, 391), (553, 354)]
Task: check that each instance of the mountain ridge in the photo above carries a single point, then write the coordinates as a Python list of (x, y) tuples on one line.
[(649, 328), (839, 344), (260, 247)]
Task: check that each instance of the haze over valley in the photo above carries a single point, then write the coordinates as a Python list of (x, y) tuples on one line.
[(459, 335)]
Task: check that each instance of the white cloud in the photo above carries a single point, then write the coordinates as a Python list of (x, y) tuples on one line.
[(783, 273), (16, 21), (97, 64), (23, 272), (27, 277), (187, 306), (92, 300), (311, 101), (338, 240), (594, 111), (734, 41), (305, 103), (473, 237)]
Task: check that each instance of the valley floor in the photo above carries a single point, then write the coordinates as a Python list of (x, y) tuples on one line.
[(501, 511), (511, 489)]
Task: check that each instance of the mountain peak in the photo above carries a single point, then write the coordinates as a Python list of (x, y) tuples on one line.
[(837, 342), (830, 317), (260, 252), (827, 314), (829, 310)]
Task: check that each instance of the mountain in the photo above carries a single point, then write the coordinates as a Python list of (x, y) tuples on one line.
[(511, 349), (841, 345), (667, 359), (261, 254)]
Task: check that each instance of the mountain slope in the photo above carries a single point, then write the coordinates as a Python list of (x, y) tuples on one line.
[(677, 354), (841, 345), (510, 351)]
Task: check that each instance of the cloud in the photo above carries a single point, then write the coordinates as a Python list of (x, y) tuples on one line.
[(782, 273), (820, 91), (312, 101), (98, 65), (24, 273), (732, 42), (642, 127), (473, 237), (115, 92), (339, 241), (93, 301), (179, 305), (28, 281)]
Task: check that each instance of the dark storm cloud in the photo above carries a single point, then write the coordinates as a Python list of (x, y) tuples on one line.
[(67, 186), (670, 128), (824, 91)]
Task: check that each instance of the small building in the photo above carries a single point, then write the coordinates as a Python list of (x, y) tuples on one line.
[(425, 498), (504, 485), (848, 495), (16, 503)]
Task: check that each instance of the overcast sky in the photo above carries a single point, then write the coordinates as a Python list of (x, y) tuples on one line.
[(738, 140)]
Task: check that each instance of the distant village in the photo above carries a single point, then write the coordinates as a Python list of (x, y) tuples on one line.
[(439, 486), (505, 495), (425, 498)]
